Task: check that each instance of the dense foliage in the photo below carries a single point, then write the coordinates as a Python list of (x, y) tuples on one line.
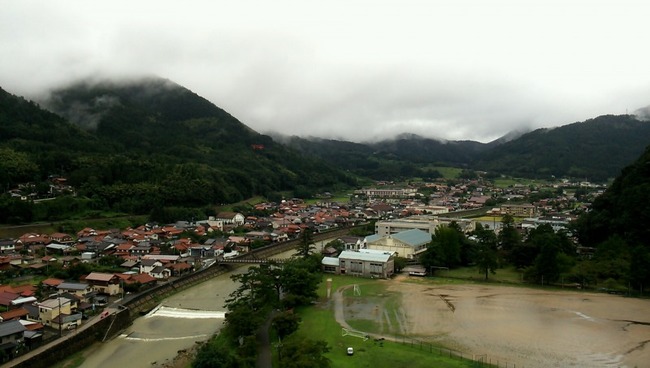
[(267, 292), (596, 150), (140, 146), (616, 227)]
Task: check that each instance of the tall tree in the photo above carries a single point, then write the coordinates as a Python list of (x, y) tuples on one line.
[(285, 324), (486, 251), (508, 237), (304, 353), (444, 249), (306, 245)]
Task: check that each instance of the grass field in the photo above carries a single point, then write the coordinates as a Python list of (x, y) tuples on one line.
[(318, 322), (448, 172), (245, 202)]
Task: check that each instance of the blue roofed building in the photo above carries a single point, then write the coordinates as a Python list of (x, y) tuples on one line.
[(407, 244)]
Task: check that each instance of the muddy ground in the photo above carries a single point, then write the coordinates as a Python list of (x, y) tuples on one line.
[(521, 326)]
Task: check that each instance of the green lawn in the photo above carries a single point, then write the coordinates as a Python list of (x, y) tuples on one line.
[(318, 323), (250, 201), (448, 172)]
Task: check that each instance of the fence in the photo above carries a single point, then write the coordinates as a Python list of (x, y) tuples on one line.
[(478, 360)]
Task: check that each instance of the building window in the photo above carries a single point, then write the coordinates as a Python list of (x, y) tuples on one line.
[(376, 268), (356, 266)]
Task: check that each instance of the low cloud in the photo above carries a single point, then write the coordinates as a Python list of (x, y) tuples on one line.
[(358, 71)]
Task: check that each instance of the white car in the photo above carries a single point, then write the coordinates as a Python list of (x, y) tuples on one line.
[(350, 351)]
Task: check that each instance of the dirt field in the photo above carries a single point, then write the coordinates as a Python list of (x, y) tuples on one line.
[(525, 327)]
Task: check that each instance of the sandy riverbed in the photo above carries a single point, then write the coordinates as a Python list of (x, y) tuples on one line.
[(529, 327)]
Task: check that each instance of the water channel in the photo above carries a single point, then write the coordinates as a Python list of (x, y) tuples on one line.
[(179, 322)]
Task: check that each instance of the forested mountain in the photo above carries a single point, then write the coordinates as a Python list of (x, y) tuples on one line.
[(596, 149), (406, 156), (617, 224), (142, 145)]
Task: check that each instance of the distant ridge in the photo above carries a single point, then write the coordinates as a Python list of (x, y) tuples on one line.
[(596, 149)]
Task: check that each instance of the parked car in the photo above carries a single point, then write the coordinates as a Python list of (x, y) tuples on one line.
[(350, 351)]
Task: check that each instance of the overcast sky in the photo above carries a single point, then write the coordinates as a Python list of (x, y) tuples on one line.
[(350, 69)]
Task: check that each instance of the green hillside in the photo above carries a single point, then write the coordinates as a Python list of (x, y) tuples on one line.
[(617, 227), (595, 150), (139, 146)]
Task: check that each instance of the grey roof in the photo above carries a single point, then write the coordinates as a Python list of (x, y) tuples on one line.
[(11, 327), (366, 256), (129, 263), (72, 286), (158, 269), (148, 262), (32, 310), (32, 334), (330, 261), (58, 246), (413, 237)]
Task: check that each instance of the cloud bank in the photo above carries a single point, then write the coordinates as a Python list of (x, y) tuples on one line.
[(362, 70)]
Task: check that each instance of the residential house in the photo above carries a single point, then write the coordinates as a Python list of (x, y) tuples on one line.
[(104, 283), (202, 251), (131, 265), (163, 258), (147, 265), (143, 279), (79, 289), (141, 249), (61, 249), (7, 245), (351, 242), (6, 298), (51, 308), (11, 337), (51, 284), (179, 269), (62, 238), (160, 273), (66, 321), (14, 314)]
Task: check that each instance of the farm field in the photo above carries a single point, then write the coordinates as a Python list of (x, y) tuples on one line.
[(516, 325)]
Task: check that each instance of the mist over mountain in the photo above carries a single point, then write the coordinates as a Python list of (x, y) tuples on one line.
[(163, 144), (148, 144), (596, 149)]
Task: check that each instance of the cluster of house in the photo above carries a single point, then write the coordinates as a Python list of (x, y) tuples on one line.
[(475, 193), (151, 252), (62, 306)]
